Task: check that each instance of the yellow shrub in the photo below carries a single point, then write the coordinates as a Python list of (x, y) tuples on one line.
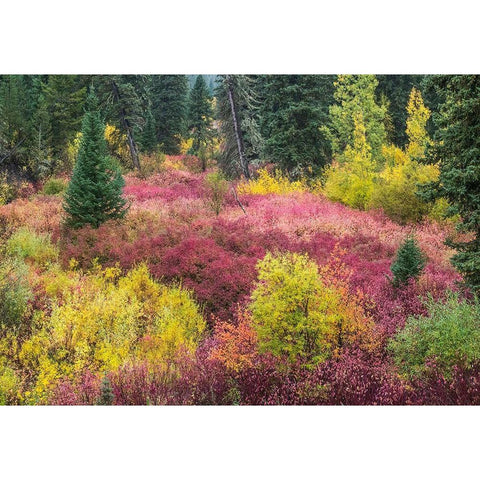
[(117, 144), (301, 313), (397, 186), (185, 145), (9, 385), (101, 321), (172, 321), (267, 183), (351, 181)]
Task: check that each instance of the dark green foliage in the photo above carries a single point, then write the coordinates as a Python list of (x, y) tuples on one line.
[(294, 108), (396, 89), (15, 295), (449, 336), (148, 137), (14, 124), (240, 145), (457, 149), (40, 117), (408, 263), (94, 193), (124, 103), (106, 393), (200, 113), (210, 81), (42, 139), (64, 98), (168, 95)]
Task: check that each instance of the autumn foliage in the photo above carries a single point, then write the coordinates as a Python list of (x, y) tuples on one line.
[(189, 300)]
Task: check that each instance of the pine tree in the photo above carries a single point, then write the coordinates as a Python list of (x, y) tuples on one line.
[(457, 149), (200, 113), (106, 393), (14, 125), (168, 95), (408, 264), (237, 108), (65, 99), (41, 140), (293, 114), (124, 101), (149, 138), (94, 193)]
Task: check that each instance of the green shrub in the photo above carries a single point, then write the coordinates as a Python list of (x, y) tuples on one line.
[(217, 187), (450, 335), (408, 263), (15, 294), (54, 186), (27, 245)]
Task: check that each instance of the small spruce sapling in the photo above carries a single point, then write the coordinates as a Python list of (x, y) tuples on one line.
[(409, 262), (94, 194), (106, 393)]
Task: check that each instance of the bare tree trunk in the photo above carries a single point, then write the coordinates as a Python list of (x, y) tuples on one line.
[(238, 200), (128, 129), (238, 134)]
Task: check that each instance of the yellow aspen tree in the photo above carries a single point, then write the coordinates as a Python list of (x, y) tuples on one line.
[(418, 115)]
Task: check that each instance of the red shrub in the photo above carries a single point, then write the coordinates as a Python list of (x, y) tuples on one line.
[(219, 278), (434, 389)]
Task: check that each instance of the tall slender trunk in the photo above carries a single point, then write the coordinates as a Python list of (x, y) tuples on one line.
[(127, 128), (238, 133)]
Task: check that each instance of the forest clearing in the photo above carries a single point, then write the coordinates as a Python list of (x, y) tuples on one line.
[(258, 241)]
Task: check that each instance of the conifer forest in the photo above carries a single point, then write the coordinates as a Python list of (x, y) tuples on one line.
[(239, 239)]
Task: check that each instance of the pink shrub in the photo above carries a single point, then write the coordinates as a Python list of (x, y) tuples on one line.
[(42, 214), (359, 378), (83, 391)]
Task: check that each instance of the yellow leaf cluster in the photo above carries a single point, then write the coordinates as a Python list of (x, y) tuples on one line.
[(267, 183), (103, 320)]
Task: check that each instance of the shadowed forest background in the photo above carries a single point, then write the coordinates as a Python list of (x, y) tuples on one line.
[(239, 239)]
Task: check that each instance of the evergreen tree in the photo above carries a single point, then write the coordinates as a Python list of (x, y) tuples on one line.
[(168, 95), (41, 140), (457, 149), (409, 262), (200, 113), (356, 93), (293, 114), (106, 393), (237, 107), (65, 99), (94, 193), (124, 101), (149, 138), (14, 125)]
